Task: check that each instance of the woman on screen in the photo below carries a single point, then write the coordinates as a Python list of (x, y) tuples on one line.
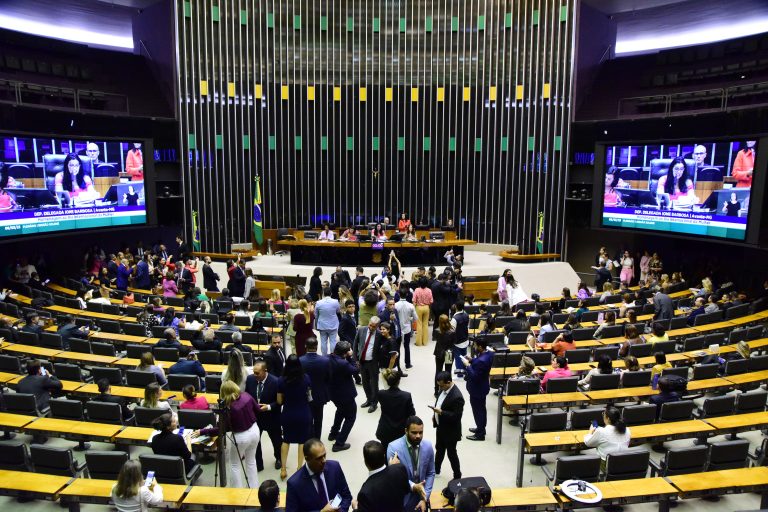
[(73, 182), (731, 208), (378, 233), (612, 182), (7, 202), (134, 162), (677, 183), (744, 165), (131, 198)]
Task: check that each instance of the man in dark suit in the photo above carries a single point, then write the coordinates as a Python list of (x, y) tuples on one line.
[(387, 486), (319, 480), (105, 395), (318, 368), (210, 278), (183, 249), (449, 406), (275, 356), (478, 386), (142, 273), (69, 330), (396, 407), (367, 347), (602, 276), (348, 328), (342, 392), (354, 288), (262, 386), (663, 309)]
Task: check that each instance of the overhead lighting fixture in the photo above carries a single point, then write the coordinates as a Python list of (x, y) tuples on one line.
[(709, 34), (56, 31)]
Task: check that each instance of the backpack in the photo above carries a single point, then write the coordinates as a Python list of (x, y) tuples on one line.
[(476, 484)]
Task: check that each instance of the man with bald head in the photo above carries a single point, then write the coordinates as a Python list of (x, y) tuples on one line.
[(700, 156), (262, 386)]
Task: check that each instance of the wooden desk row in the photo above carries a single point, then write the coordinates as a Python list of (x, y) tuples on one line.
[(570, 440), (98, 360), (622, 492)]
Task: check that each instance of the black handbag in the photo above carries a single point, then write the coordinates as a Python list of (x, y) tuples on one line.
[(476, 484)]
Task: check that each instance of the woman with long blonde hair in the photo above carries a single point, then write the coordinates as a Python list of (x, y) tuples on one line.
[(236, 371), (302, 326), (239, 423), (130, 495)]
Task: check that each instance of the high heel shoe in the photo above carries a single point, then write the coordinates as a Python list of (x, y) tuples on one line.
[(283, 474)]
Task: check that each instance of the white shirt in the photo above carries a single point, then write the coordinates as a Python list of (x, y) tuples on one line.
[(327, 235), (141, 502), (440, 399), (369, 353), (406, 313), (516, 295), (379, 470), (607, 440)]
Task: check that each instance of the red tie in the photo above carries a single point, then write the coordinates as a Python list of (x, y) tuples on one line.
[(365, 347)]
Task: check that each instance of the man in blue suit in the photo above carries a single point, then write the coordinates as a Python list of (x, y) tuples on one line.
[(418, 457), (342, 392), (318, 368), (142, 273), (262, 386), (316, 484), (478, 385)]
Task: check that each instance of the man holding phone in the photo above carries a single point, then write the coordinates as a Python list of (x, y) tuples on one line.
[(320, 484), (478, 386)]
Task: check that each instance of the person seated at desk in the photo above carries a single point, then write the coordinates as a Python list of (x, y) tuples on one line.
[(237, 343), (170, 340), (130, 494), (189, 366), (378, 233), (105, 395), (604, 367), (559, 369), (614, 437), (403, 223), (326, 234), (168, 443), (410, 234), (730, 208), (658, 333), (699, 309), (73, 182), (678, 184), (612, 182), (147, 364), (207, 341), (632, 337), (40, 383), (7, 202), (152, 394), (562, 343), (229, 323), (667, 392), (350, 234), (192, 401)]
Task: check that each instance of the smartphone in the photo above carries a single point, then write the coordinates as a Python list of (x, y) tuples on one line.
[(594, 423), (431, 407), (336, 502), (150, 478), (181, 431)]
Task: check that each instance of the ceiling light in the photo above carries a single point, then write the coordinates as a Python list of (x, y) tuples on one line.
[(66, 33)]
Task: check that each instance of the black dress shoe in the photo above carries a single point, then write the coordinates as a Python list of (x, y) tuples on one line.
[(476, 437), (340, 447), (331, 436), (408, 366), (456, 476), (373, 408), (473, 430), (366, 404), (259, 468), (278, 464)]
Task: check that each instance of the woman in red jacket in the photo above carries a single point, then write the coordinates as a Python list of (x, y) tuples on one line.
[(134, 162)]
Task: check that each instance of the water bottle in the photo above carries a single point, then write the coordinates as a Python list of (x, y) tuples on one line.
[(269, 246)]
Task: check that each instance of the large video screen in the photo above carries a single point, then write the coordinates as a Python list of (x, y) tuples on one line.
[(55, 184), (695, 188)]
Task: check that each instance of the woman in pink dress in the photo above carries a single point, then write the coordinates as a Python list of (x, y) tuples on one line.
[(627, 268)]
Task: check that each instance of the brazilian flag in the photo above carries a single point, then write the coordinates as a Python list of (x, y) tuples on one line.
[(540, 235), (195, 232), (258, 229)]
